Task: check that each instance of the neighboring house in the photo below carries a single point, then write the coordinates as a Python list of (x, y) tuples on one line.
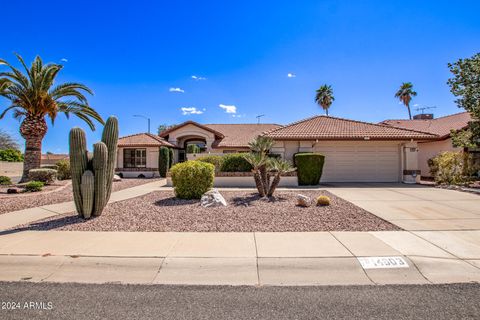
[(440, 127), (138, 154), (52, 158), (354, 151)]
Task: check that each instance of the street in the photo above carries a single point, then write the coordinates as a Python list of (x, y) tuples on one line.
[(82, 301)]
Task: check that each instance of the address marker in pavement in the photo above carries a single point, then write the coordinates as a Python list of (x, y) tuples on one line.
[(382, 262)]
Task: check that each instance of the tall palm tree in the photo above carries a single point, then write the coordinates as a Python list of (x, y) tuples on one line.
[(324, 97), (405, 94), (33, 97)]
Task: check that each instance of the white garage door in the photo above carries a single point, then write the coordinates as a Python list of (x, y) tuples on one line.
[(360, 162)]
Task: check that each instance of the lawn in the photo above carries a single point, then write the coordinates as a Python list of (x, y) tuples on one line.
[(246, 212)]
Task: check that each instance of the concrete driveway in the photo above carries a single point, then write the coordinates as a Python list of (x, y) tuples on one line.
[(413, 207)]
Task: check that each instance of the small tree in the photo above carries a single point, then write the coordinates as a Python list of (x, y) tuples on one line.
[(7, 141), (163, 161)]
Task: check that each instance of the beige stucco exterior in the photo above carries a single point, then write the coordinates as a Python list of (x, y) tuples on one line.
[(428, 150), (190, 131), (151, 163)]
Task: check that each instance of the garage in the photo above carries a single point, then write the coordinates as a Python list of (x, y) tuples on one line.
[(360, 161)]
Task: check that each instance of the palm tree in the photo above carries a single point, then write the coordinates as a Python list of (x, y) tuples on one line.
[(33, 97), (405, 94), (258, 161), (324, 97), (278, 168)]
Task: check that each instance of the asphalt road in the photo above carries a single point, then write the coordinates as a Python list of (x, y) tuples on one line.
[(113, 301)]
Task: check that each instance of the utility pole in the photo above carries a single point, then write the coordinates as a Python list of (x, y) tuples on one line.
[(144, 117)]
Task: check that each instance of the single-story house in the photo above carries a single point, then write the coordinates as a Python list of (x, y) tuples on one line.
[(355, 151), (440, 127)]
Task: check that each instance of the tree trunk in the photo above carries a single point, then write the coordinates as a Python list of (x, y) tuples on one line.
[(32, 129), (274, 185), (264, 178), (409, 112), (259, 184)]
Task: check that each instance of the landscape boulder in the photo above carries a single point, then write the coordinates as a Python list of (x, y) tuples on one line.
[(13, 190), (213, 198), (303, 201), (116, 178)]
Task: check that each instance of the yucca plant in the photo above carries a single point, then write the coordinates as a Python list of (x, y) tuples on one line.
[(33, 97)]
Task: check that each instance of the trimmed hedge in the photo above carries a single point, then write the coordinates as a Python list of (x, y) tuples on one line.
[(170, 158), (5, 181), (216, 160), (309, 168), (235, 162), (163, 161), (191, 179), (34, 186), (63, 169), (193, 148), (46, 176)]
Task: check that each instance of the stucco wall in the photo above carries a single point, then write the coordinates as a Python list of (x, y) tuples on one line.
[(152, 157), (191, 131), (431, 149), (11, 169)]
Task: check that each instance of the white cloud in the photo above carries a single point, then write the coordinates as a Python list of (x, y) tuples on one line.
[(198, 78), (228, 109), (291, 75), (64, 60), (238, 116), (191, 110), (416, 105), (176, 90)]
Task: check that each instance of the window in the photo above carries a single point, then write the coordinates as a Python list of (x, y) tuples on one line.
[(134, 158)]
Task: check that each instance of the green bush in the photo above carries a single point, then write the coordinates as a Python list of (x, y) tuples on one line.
[(46, 176), (235, 162), (193, 148), (63, 169), (216, 160), (170, 157), (5, 181), (34, 186), (163, 161), (50, 166), (309, 168), (11, 155), (452, 167), (191, 179)]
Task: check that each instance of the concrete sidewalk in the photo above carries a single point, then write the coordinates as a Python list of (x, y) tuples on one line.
[(15, 218), (308, 258)]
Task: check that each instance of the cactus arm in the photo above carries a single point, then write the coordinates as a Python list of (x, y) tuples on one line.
[(88, 194), (100, 156), (78, 161), (110, 138)]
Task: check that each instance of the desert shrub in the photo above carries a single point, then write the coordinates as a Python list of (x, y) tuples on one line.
[(452, 167), (46, 176), (5, 181), (163, 161), (34, 186), (191, 179), (170, 157), (216, 160), (11, 155), (323, 201), (309, 168), (193, 148), (235, 162), (63, 169)]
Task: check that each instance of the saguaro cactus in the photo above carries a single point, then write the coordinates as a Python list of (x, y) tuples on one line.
[(92, 177)]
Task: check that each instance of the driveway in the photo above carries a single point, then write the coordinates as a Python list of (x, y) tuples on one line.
[(413, 207)]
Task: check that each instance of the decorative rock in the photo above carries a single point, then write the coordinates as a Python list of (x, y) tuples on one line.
[(13, 190), (303, 201), (116, 178), (212, 198)]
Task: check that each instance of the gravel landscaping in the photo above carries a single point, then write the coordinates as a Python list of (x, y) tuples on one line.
[(161, 211), (53, 194)]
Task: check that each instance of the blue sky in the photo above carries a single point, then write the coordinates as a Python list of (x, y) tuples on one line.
[(132, 53)]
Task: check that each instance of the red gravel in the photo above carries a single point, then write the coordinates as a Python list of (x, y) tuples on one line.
[(160, 211), (14, 202)]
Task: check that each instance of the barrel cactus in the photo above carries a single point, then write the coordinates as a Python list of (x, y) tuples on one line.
[(92, 176)]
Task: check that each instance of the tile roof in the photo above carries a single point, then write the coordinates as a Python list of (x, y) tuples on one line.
[(143, 140), (239, 135), (439, 126), (183, 124), (332, 128)]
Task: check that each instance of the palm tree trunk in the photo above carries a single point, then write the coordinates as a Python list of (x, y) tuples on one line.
[(32, 129), (264, 178), (259, 184), (274, 185), (409, 112)]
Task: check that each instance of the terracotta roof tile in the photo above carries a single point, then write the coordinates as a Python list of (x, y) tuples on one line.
[(439, 126), (331, 128), (143, 140), (239, 135)]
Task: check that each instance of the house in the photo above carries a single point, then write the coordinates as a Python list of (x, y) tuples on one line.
[(440, 127), (355, 151)]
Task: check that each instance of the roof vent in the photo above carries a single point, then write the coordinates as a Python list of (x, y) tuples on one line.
[(423, 116)]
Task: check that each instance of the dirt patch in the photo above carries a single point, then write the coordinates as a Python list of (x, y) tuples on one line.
[(14, 202), (161, 211)]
